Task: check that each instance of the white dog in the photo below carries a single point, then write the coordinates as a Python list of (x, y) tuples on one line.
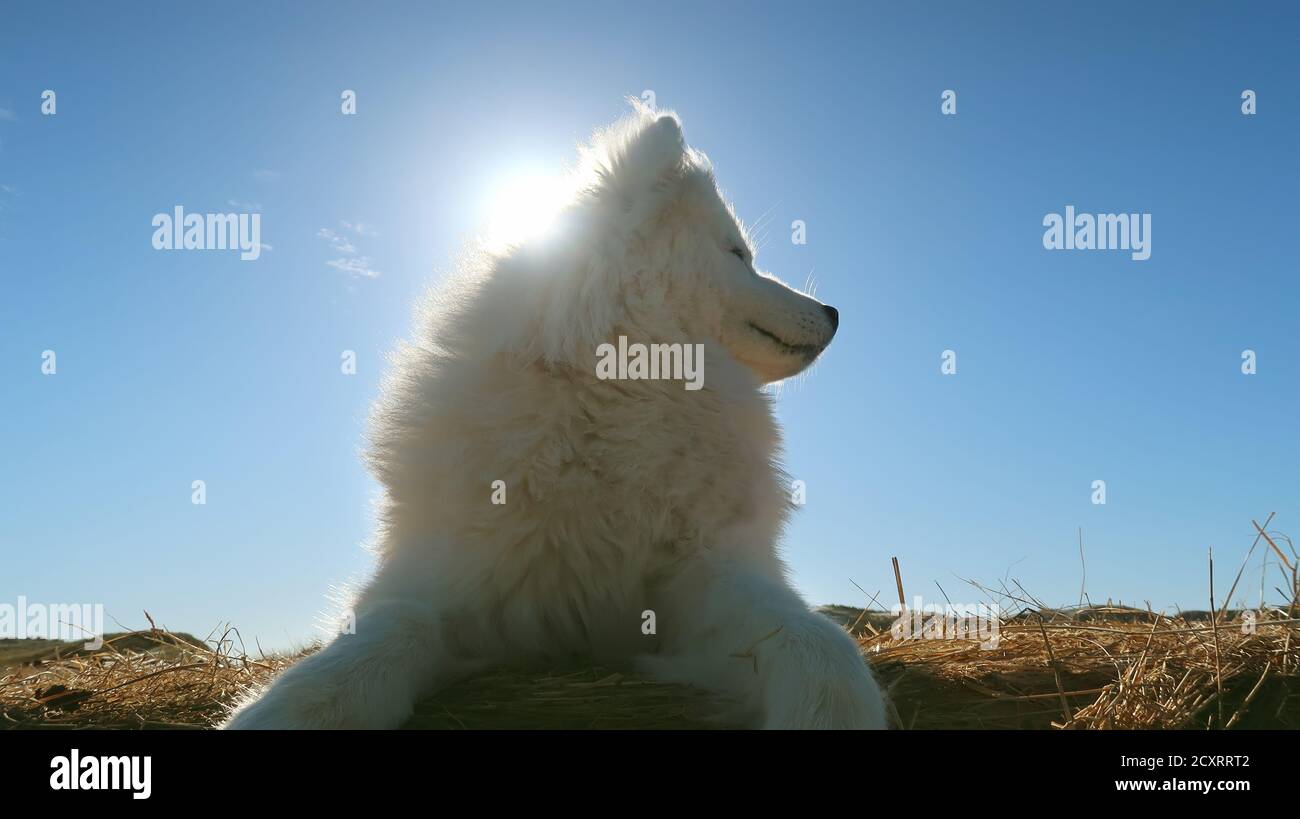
[(622, 497)]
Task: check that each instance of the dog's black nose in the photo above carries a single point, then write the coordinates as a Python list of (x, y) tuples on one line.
[(833, 315)]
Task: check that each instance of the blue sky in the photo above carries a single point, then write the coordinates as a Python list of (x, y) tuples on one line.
[(924, 230)]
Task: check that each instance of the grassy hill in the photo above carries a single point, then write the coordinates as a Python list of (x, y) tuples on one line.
[(35, 652)]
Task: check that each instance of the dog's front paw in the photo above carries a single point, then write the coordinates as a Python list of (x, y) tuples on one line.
[(325, 691), (267, 712), (294, 705), (816, 677)]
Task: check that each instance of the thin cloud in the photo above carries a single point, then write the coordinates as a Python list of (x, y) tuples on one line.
[(266, 175), (359, 228), (339, 243), (8, 115), (246, 206), (351, 262), (358, 266)]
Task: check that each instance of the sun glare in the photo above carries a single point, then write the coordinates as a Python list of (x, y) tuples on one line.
[(524, 206)]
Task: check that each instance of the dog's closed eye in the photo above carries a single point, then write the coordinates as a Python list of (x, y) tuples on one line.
[(739, 253)]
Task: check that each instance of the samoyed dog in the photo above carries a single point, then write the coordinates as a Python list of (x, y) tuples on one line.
[(537, 512)]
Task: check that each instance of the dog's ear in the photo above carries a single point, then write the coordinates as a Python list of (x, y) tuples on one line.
[(641, 162), (656, 150), (638, 166)]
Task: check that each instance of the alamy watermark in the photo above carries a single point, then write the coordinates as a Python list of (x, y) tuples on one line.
[(1102, 231), (654, 362), (53, 621), (980, 622), (75, 772), (179, 230)]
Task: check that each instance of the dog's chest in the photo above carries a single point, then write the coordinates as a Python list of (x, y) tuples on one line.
[(664, 472)]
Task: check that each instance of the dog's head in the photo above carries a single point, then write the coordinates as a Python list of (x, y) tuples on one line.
[(650, 248)]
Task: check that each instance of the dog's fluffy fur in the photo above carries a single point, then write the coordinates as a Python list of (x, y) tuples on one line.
[(622, 496)]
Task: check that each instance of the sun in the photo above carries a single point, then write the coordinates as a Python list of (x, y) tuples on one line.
[(524, 206)]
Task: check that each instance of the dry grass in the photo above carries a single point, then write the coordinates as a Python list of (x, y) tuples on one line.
[(1087, 668), (141, 679), (1099, 667)]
